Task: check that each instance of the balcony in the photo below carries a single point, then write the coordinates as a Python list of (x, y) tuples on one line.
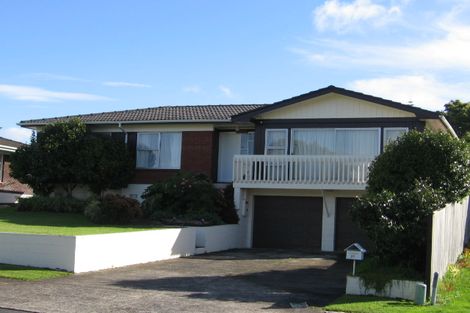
[(332, 172)]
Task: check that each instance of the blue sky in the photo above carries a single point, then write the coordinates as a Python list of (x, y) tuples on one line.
[(71, 57)]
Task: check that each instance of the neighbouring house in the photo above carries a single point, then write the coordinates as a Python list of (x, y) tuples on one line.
[(296, 165), (10, 188)]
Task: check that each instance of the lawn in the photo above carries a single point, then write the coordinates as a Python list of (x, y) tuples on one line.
[(453, 296), (29, 273), (67, 224)]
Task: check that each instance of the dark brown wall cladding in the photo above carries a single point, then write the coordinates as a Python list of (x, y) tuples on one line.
[(197, 155)]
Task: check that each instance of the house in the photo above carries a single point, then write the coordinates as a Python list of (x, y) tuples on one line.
[(10, 188), (296, 165)]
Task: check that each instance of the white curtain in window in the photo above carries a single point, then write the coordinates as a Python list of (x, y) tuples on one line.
[(170, 150), (148, 146), (313, 141), (357, 142)]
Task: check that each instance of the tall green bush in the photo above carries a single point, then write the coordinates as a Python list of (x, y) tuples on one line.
[(416, 175), (65, 154)]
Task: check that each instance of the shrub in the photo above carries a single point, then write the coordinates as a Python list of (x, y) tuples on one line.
[(228, 214), (113, 209), (182, 197), (415, 176), (51, 204)]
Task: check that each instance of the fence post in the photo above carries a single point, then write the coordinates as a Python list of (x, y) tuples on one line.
[(427, 273)]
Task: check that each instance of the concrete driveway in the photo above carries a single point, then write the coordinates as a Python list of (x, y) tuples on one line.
[(231, 281)]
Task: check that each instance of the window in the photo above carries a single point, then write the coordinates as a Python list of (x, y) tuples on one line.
[(319, 141), (392, 133), (159, 150), (336, 141), (276, 141), (247, 143), (358, 141)]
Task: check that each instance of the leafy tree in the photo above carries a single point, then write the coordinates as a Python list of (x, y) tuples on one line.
[(415, 176), (458, 114), (65, 154), (106, 163)]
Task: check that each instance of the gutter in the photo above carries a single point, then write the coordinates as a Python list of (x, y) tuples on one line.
[(32, 124), (448, 126), (7, 148)]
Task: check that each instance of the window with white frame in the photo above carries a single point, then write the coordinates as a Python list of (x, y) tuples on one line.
[(392, 133), (335, 141), (159, 150), (247, 143), (276, 142)]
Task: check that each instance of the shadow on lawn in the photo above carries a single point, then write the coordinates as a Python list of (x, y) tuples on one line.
[(316, 286)]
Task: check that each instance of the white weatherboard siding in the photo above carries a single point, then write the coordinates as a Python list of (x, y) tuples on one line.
[(334, 106), (96, 252)]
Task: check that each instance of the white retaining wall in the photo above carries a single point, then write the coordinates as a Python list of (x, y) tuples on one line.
[(403, 289), (7, 197), (38, 250), (96, 252), (448, 236)]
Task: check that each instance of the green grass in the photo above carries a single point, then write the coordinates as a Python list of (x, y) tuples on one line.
[(453, 296), (29, 273), (66, 224)]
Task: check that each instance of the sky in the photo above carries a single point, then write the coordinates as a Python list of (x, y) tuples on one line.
[(62, 58)]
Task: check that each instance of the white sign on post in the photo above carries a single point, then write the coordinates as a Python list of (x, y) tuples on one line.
[(355, 252)]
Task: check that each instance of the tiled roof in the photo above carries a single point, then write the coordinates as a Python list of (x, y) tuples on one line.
[(10, 143), (193, 113)]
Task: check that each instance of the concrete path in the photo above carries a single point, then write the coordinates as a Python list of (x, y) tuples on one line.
[(232, 281)]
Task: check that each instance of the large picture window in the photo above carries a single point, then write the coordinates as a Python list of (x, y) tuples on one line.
[(392, 133), (159, 150), (336, 141)]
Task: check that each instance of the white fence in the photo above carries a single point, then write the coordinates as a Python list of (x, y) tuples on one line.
[(96, 252), (301, 169), (449, 227)]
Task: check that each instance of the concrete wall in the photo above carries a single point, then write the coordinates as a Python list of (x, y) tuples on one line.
[(403, 289), (96, 252), (448, 236), (57, 252), (9, 197)]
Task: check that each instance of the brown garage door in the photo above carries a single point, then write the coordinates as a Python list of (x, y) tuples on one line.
[(287, 222), (347, 231)]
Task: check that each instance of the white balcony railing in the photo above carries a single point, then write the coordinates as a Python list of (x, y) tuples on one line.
[(301, 171)]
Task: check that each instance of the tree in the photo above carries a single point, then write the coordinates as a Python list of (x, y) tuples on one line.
[(106, 163), (65, 154), (416, 175), (458, 114)]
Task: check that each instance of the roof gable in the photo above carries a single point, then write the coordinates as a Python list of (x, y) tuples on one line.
[(360, 104)]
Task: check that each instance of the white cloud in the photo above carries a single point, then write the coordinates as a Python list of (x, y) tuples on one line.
[(446, 50), (17, 133), (125, 84), (30, 93), (51, 76), (423, 91), (346, 16), (192, 89), (226, 91)]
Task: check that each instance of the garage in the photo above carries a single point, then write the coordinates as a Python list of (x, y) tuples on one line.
[(287, 222), (347, 231)]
